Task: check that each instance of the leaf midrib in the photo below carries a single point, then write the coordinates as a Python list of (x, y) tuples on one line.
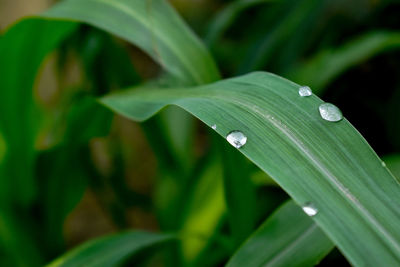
[(287, 249), (334, 181), (339, 187)]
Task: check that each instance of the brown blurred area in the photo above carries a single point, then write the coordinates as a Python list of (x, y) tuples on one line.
[(13, 10)]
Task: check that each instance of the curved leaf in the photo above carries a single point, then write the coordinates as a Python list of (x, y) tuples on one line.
[(326, 163), (153, 26), (287, 238), (111, 250)]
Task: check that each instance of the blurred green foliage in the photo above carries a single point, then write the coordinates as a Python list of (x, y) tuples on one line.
[(170, 173)]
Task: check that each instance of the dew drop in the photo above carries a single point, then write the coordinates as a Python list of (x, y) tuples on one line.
[(214, 126), (236, 139), (383, 164), (305, 91), (330, 112), (310, 209)]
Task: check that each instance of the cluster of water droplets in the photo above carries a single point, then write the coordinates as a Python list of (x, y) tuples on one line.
[(327, 111)]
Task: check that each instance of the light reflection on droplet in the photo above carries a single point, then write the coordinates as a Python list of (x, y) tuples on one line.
[(330, 112), (305, 91), (310, 209), (236, 138)]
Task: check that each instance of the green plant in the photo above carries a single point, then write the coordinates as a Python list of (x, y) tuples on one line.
[(211, 203)]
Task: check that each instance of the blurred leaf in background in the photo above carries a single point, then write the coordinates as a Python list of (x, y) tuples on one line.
[(70, 170)]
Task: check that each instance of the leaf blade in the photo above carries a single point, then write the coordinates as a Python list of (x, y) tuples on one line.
[(153, 26), (334, 166), (111, 250), (288, 237)]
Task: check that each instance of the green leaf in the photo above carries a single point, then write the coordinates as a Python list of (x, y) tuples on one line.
[(158, 30), (287, 238), (330, 63), (178, 128), (153, 26), (22, 49), (326, 163), (240, 193), (204, 208), (110, 250)]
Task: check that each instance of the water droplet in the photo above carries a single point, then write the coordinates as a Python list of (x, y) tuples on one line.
[(383, 164), (330, 112), (214, 127), (236, 139), (305, 91), (310, 209)]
